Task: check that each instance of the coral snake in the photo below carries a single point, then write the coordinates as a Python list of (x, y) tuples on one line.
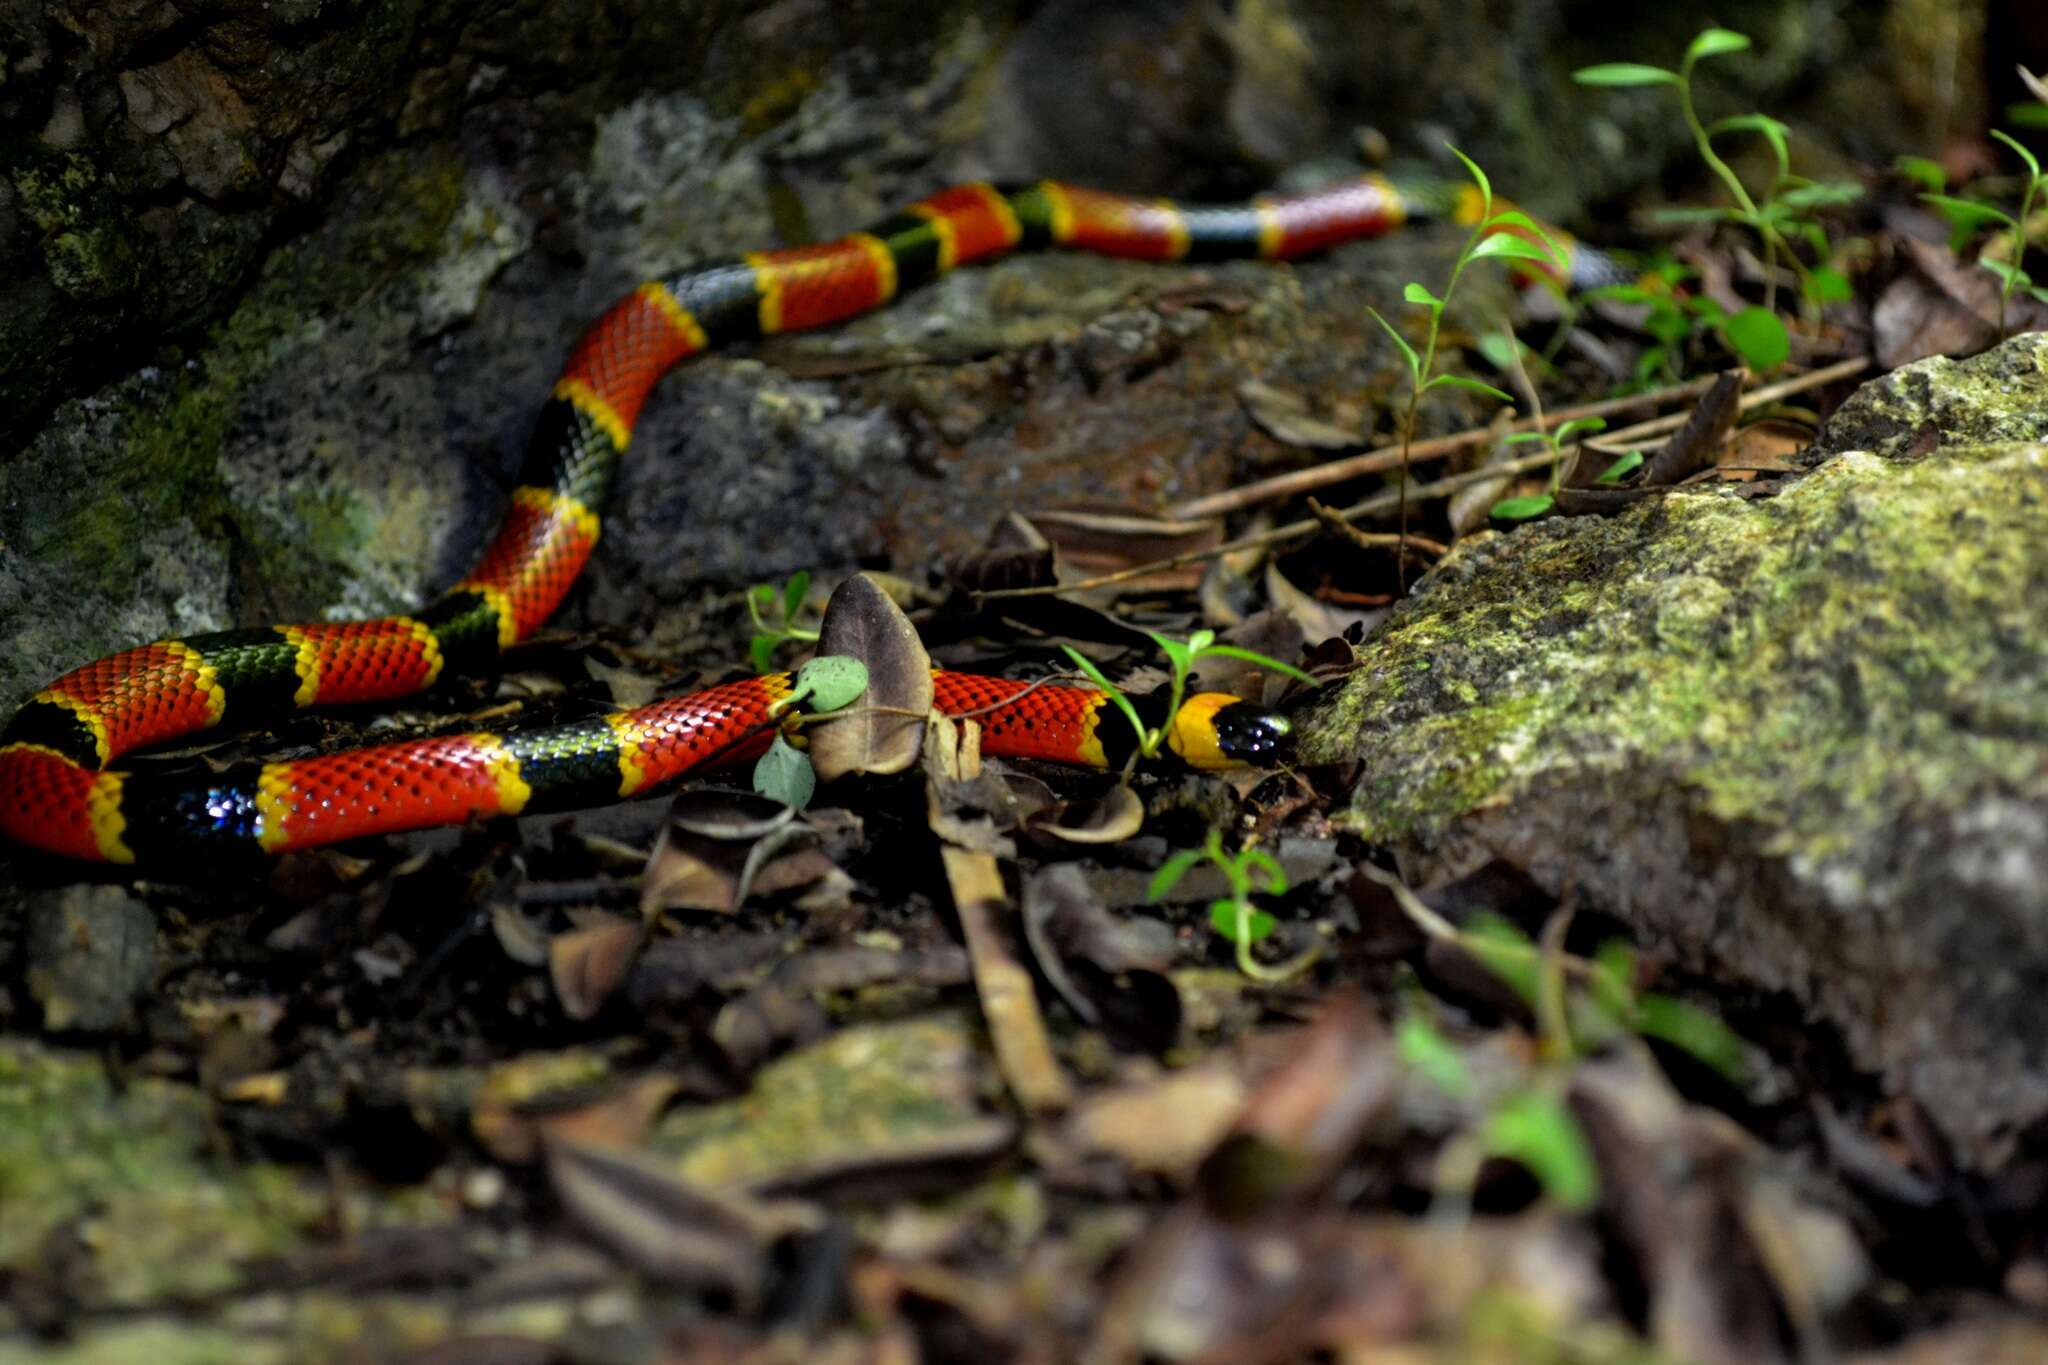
[(58, 794)]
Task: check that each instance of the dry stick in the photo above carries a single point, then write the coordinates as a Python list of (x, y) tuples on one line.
[(1294, 530), (1389, 456), (1617, 442)]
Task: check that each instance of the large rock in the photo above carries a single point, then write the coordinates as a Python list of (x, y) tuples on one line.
[(1802, 740)]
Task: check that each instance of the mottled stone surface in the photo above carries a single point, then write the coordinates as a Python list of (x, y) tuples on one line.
[(1802, 740)]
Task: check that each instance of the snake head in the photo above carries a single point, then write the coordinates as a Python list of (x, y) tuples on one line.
[(1215, 731)]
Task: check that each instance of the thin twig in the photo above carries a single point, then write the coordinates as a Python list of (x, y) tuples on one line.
[(1619, 442), (1386, 457), (1295, 530), (1333, 521)]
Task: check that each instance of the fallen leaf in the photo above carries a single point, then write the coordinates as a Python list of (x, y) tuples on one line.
[(884, 731), (587, 965)]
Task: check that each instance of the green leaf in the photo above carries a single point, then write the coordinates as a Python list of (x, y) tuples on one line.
[(1928, 174), (1479, 179), (1612, 983), (784, 774), (1459, 381), (793, 593), (1693, 1031), (1522, 222), (1522, 508), (1758, 336), (1685, 215), (1973, 210), (1715, 42), (1825, 284), (1415, 293), (1110, 689), (2009, 275), (1620, 293), (1179, 653), (761, 651), (1507, 246), (1538, 1131), (2027, 114), (1505, 951), (1624, 74), (1414, 361), (1429, 1054), (1773, 132), (2038, 293), (831, 681), (1262, 660), (1821, 194), (1500, 349), (1524, 437), (1223, 914), (1276, 876), (1198, 641), (2021, 149), (1171, 871), (1621, 468), (1577, 425)]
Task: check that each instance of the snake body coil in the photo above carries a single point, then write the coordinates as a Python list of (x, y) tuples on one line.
[(57, 792)]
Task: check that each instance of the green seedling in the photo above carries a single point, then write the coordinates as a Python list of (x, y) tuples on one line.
[(1234, 916), (1786, 209), (830, 682), (1966, 216), (1183, 656), (1527, 1123), (1493, 237), (1536, 504), (774, 611)]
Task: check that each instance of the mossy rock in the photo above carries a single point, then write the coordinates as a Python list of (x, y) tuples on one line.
[(1802, 740)]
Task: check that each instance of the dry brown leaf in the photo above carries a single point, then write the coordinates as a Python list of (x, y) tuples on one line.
[(1116, 816), (587, 965), (667, 1228), (1088, 543), (884, 730), (1285, 416)]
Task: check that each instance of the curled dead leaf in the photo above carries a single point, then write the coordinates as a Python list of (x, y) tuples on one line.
[(1113, 817), (587, 965), (883, 731)]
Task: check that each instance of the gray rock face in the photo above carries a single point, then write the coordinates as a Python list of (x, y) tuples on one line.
[(1801, 740)]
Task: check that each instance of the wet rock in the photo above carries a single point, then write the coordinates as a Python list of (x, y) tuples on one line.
[(1802, 741), (92, 953)]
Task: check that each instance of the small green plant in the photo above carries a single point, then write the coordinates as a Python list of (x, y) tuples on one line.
[(1536, 504), (774, 611), (1967, 215), (1580, 1006), (829, 682), (1234, 916), (1182, 656), (1493, 236), (1787, 208), (1528, 1123)]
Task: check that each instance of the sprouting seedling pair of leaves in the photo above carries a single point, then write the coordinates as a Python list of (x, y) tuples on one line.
[(1234, 916), (1787, 206), (1497, 236), (1182, 655), (774, 611), (828, 683), (1536, 504), (2012, 277), (1529, 1124)]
